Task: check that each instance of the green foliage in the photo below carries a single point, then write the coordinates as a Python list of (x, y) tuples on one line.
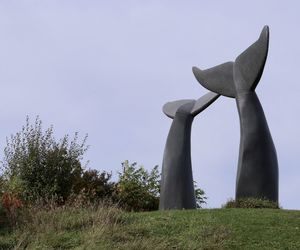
[(95, 186), (105, 227), (39, 166), (60, 227), (200, 196), (138, 189), (251, 203), (38, 169)]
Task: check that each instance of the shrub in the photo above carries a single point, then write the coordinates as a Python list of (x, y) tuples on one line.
[(138, 189), (40, 166), (251, 203), (11, 204), (95, 186), (39, 169), (200, 196)]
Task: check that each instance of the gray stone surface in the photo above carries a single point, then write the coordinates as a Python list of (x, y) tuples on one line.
[(177, 186), (257, 174)]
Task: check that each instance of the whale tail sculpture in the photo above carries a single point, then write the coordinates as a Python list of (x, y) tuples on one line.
[(177, 185), (257, 174), (192, 107), (231, 78)]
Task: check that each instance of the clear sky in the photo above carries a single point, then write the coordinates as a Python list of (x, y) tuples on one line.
[(106, 68)]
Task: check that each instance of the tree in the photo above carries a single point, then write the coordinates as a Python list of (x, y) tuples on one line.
[(138, 189), (95, 185), (41, 167)]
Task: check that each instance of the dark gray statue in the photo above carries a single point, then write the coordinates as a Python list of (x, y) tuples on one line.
[(257, 174), (177, 185)]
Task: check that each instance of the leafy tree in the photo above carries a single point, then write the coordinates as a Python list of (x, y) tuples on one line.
[(39, 165), (95, 185), (138, 189)]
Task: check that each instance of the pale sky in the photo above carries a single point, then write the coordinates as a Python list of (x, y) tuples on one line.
[(107, 67)]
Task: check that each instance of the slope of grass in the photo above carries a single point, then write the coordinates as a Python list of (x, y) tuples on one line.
[(110, 228)]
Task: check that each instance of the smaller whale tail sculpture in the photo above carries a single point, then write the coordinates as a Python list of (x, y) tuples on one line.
[(257, 174), (231, 78), (177, 185), (191, 106)]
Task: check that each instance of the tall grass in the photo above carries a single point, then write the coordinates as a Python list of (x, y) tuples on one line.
[(105, 226), (51, 226)]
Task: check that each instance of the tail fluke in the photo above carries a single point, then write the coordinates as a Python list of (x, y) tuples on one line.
[(203, 102), (170, 108), (244, 74), (249, 65), (190, 106), (218, 79)]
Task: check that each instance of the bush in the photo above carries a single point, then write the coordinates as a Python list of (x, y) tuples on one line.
[(250, 203), (137, 189), (95, 186), (38, 169), (36, 166), (200, 196)]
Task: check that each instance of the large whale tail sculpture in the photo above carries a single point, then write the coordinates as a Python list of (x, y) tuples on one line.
[(231, 78), (177, 186), (257, 174)]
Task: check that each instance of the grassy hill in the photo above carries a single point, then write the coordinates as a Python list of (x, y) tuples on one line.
[(110, 228)]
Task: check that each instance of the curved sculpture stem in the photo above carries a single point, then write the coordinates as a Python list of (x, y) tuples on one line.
[(177, 186), (257, 174)]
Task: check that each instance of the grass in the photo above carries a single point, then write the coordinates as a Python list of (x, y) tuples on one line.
[(107, 227), (250, 203)]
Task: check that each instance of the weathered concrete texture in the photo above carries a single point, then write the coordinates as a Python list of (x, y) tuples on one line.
[(257, 174), (177, 185), (257, 166)]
